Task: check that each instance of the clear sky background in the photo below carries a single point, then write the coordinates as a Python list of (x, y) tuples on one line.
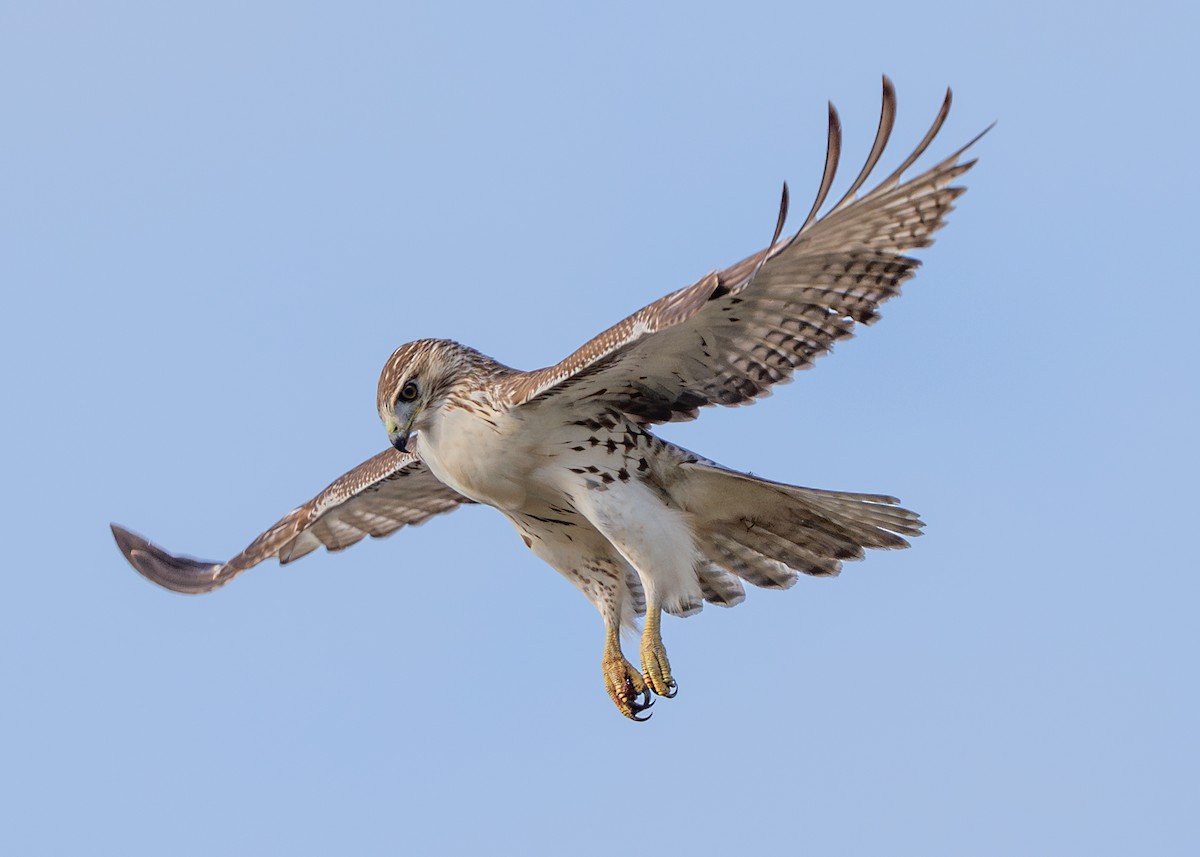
[(218, 219)]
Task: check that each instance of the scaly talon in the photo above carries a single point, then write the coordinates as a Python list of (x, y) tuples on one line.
[(656, 669), (624, 683)]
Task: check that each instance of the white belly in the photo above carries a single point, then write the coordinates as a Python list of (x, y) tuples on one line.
[(580, 473)]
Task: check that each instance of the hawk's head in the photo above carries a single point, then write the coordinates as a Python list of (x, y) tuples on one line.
[(418, 380)]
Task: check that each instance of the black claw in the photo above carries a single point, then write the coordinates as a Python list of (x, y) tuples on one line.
[(642, 702), (672, 689)]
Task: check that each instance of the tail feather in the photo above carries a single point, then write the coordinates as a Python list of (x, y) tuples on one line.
[(748, 564), (768, 533), (796, 550), (719, 586), (876, 516), (636, 603)]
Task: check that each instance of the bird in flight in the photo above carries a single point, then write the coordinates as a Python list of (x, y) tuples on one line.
[(566, 453)]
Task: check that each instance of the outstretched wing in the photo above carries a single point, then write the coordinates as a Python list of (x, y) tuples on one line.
[(729, 338), (376, 498)]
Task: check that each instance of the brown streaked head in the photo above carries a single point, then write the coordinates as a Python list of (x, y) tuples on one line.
[(422, 376)]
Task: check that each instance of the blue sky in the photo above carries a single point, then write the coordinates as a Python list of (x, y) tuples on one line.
[(219, 219)]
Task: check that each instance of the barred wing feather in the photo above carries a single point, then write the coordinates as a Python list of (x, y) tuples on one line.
[(729, 338), (376, 498)]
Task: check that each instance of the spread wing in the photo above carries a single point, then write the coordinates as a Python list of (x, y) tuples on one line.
[(376, 498), (727, 339)]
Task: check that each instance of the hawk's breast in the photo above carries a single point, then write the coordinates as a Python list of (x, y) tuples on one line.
[(483, 456)]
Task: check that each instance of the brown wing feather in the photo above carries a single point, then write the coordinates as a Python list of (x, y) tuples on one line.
[(376, 498), (727, 339)]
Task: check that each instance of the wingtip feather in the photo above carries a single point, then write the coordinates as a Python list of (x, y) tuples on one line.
[(177, 573)]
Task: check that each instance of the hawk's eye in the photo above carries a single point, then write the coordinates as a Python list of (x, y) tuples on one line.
[(408, 393)]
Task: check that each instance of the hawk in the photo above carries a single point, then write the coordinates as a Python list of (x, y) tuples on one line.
[(566, 453)]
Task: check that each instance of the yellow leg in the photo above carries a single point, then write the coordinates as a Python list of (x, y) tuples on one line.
[(656, 669), (622, 681)]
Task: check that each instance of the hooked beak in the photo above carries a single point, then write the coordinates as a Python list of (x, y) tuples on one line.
[(398, 435)]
